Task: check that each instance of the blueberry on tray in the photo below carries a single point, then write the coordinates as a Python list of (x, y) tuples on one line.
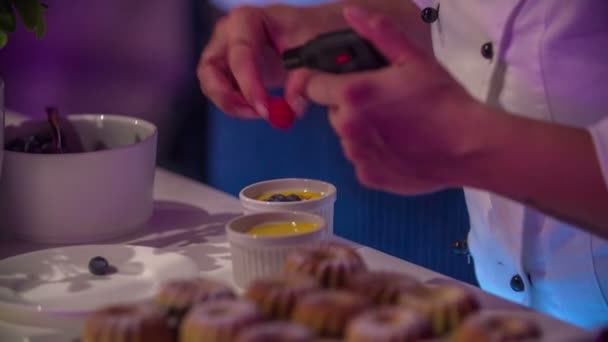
[(100, 266)]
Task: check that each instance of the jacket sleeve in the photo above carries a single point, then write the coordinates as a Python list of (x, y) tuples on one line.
[(599, 134)]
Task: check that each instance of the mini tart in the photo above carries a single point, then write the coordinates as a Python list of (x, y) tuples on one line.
[(328, 312), (330, 263), (388, 324), (277, 331), (218, 321), (496, 328), (277, 296), (138, 322), (445, 306), (382, 287), (179, 295)]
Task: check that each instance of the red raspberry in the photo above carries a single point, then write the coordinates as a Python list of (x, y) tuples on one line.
[(280, 114)]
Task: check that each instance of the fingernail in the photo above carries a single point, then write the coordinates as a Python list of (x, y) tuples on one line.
[(298, 104), (356, 13), (262, 110)]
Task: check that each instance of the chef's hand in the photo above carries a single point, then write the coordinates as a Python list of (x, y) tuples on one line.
[(403, 127), (242, 58)]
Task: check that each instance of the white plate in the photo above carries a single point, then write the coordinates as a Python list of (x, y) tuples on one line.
[(17, 333), (47, 287)]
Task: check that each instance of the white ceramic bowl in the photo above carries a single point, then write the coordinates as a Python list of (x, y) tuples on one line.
[(81, 197), (323, 206), (259, 256)]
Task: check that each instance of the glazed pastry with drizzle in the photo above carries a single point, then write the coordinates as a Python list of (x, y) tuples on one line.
[(179, 295), (218, 321), (496, 328), (138, 322), (445, 306), (277, 296), (388, 324), (277, 331), (330, 263), (328, 312), (382, 287)]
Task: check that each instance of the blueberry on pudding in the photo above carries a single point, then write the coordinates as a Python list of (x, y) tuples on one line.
[(289, 196)]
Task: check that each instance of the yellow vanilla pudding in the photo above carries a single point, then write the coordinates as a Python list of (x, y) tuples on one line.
[(290, 196), (259, 242), (282, 228)]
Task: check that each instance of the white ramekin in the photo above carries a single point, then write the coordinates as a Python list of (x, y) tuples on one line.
[(259, 256), (323, 206)]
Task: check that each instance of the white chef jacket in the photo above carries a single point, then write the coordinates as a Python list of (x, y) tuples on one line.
[(544, 59)]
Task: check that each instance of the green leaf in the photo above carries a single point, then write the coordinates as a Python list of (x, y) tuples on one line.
[(29, 11), (8, 22), (32, 13), (3, 39), (41, 27)]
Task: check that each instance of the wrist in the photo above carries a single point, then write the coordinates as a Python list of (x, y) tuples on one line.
[(551, 167), (512, 155), (484, 136)]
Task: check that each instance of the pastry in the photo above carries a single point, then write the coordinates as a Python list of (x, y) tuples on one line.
[(496, 328), (179, 295), (277, 296), (328, 312), (218, 321), (135, 322), (382, 287), (330, 263), (388, 324), (445, 306), (277, 331)]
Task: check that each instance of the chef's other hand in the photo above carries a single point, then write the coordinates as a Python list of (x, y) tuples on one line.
[(403, 127), (242, 57)]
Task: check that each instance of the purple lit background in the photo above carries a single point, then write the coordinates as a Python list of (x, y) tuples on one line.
[(111, 56), (138, 58)]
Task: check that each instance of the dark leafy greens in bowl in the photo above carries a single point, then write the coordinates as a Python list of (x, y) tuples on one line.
[(56, 137)]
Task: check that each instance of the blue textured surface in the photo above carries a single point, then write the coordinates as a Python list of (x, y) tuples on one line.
[(419, 229)]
